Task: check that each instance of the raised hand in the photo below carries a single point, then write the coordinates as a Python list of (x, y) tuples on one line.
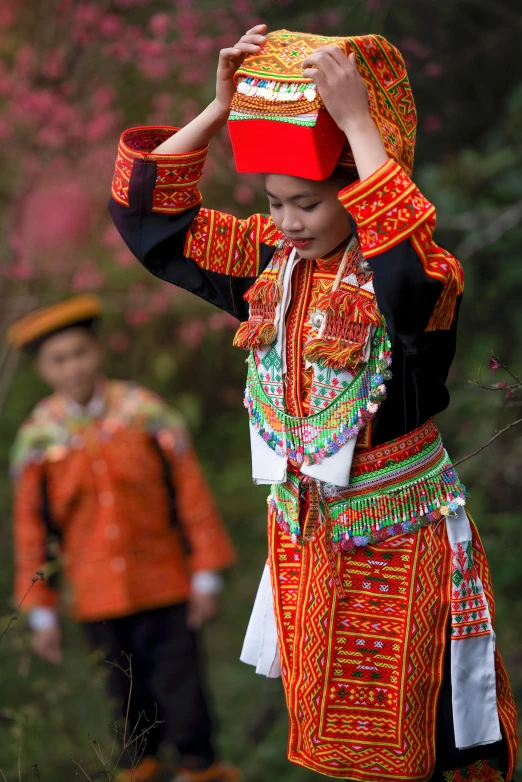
[(231, 59), (345, 97), (47, 644), (340, 84)]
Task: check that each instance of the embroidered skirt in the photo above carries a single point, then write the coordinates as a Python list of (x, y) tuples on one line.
[(362, 633)]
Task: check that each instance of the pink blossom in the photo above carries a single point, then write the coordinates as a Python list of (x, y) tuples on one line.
[(25, 61), (332, 18), (87, 13), (494, 363), (7, 16), (138, 317), (123, 256), (159, 24), (110, 25), (103, 97), (110, 237), (20, 270), (432, 123), (6, 130), (53, 66), (55, 218), (163, 101), (154, 68), (415, 47), (99, 126), (87, 277), (433, 69), (159, 301), (221, 320), (51, 137), (119, 341), (191, 333), (243, 194)]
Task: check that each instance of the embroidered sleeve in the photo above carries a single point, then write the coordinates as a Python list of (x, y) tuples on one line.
[(29, 542), (222, 243), (177, 176), (391, 215), (156, 207)]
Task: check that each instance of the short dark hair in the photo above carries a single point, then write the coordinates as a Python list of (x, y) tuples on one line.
[(90, 325)]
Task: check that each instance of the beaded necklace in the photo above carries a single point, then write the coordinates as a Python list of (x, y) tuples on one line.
[(310, 439)]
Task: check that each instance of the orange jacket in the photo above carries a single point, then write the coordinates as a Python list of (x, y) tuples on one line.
[(103, 484)]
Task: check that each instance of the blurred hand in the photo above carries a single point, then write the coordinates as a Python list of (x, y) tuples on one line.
[(202, 607), (47, 644), (231, 59)]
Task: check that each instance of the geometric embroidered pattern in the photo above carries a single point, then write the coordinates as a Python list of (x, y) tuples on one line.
[(469, 609), (278, 66), (389, 208), (177, 176), (362, 674), (480, 771), (222, 243)]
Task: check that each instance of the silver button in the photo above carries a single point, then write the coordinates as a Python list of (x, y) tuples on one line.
[(366, 267), (118, 564), (112, 531), (317, 319)]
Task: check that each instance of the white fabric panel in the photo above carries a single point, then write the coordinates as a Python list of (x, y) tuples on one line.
[(260, 647), (473, 678)]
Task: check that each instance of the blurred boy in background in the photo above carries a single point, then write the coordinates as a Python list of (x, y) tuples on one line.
[(106, 477)]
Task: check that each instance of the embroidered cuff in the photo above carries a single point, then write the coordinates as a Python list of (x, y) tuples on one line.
[(42, 619), (177, 176), (387, 208)]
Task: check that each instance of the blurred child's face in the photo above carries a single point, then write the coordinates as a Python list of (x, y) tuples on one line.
[(69, 362), (308, 213)]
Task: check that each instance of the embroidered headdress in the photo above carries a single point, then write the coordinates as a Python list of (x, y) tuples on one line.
[(278, 122), (33, 328)]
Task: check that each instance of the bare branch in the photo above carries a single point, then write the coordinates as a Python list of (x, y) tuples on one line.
[(78, 763), (38, 577), (491, 440)]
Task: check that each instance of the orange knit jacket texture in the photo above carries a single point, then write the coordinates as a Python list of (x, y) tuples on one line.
[(108, 499)]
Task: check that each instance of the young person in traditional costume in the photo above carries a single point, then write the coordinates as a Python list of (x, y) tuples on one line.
[(105, 473), (376, 606)]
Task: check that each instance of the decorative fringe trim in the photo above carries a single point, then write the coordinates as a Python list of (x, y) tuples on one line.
[(310, 439), (251, 334), (276, 91), (348, 318), (370, 519), (335, 352), (264, 290)]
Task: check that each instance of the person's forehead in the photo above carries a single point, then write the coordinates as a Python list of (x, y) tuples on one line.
[(283, 186), (65, 340)]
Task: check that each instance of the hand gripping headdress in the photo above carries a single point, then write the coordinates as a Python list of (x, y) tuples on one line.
[(278, 122)]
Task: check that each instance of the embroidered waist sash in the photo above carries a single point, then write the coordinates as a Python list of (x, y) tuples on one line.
[(398, 487)]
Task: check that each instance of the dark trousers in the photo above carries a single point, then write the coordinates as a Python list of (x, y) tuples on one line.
[(167, 701)]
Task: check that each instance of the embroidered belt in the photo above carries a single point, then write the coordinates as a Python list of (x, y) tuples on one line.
[(395, 488)]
